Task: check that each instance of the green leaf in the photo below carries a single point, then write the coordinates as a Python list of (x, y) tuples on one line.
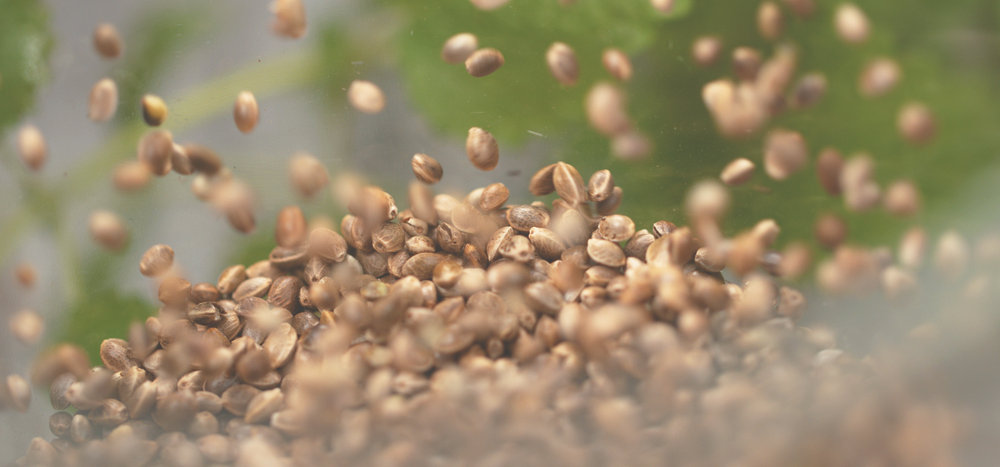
[(25, 43)]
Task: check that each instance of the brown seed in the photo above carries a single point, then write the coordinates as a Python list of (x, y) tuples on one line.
[(616, 228), (26, 326), (857, 183), (707, 199), (459, 47), (327, 244), (205, 313), (482, 149), (26, 275), (203, 159), (307, 174), (263, 405), (245, 112), (562, 63), (494, 196), (253, 287), (523, 217), (230, 278), (518, 248), (366, 96), (174, 291), (107, 42), (446, 273), (108, 230), (569, 184), (155, 150), (605, 253), (156, 260), (851, 23), (600, 186), (103, 100), (916, 123), (80, 429), (829, 165), (785, 153), (110, 413), (541, 183), (737, 172), (610, 205), (179, 160), (879, 77), (746, 63), (422, 265), (830, 230), (902, 198), (31, 147), (131, 176), (289, 18), (154, 110), (606, 111), (116, 354), (617, 63), (795, 260), (484, 62), (284, 292), (809, 90), (280, 345), (770, 21), (706, 50), (59, 423), (547, 243), (373, 206), (290, 227), (426, 168), (449, 238), (912, 248)]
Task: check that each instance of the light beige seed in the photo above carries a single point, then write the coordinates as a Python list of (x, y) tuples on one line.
[(606, 109), (631, 145), (809, 90), (107, 42), (902, 198), (617, 64), (879, 77), (155, 150), (707, 199), (663, 6), (569, 184), (116, 354), (785, 153), (290, 227), (426, 168), (458, 47), (230, 278), (616, 228), (770, 20), (245, 112), (851, 23), (912, 248), (263, 405), (737, 172), (484, 62), (307, 174), (103, 100), (605, 253), (915, 123), (829, 165), (494, 196), (488, 5), (952, 254), (131, 176), (746, 63), (289, 18), (154, 110), (157, 260), (706, 50), (26, 326), (108, 230), (80, 429), (795, 260), (31, 147), (26, 275), (562, 63), (482, 149), (897, 282), (366, 96), (280, 345), (19, 392)]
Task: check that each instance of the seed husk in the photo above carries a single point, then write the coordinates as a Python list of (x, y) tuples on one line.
[(482, 149), (706, 50), (851, 23), (916, 124), (426, 168), (155, 150), (107, 42), (289, 18), (366, 96), (785, 153), (606, 110), (31, 147), (617, 64), (103, 101), (829, 165), (245, 112), (157, 260), (307, 174), (879, 76), (459, 47), (737, 172), (562, 63), (484, 62), (770, 20), (569, 184), (203, 159), (154, 110), (290, 227)]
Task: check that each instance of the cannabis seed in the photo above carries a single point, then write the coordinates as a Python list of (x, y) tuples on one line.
[(829, 165), (289, 18), (606, 111), (154, 110), (770, 20), (107, 42), (617, 64), (484, 62), (616, 228), (916, 123), (108, 230), (366, 96), (459, 47), (706, 50), (245, 112), (426, 168), (482, 149), (31, 147), (879, 77), (902, 198), (156, 260), (103, 100), (737, 172), (569, 184), (26, 326), (746, 63), (562, 63), (785, 153), (290, 227), (155, 150), (307, 174), (851, 23), (26, 275)]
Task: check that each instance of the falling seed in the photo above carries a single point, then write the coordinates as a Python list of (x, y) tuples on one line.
[(154, 110), (19, 392), (488, 5), (290, 228), (663, 6), (828, 167), (289, 18), (426, 168), (107, 42), (605, 106), (307, 174), (366, 96), (459, 47), (617, 64), (631, 146), (31, 147), (912, 248), (916, 123), (737, 172), (131, 176), (484, 62), (103, 100), (952, 254), (851, 23), (156, 260), (802, 8), (482, 149), (902, 198), (155, 150), (706, 50), (707, 199), (746, 63), (600, 185), (245, 112), (770, 21), (494, 196), (180, 162), (830, 230), (785, 153), (879, 77), (26, 274), (108, 230), (809, 90), (562, 63), (26, 326), (857, 183)]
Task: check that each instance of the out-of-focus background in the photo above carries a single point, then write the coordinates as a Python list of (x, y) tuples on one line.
[(199, 55)]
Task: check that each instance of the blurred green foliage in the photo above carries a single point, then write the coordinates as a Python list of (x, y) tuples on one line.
[(25, 43)]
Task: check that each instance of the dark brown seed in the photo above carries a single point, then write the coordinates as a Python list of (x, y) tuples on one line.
[(562, 63), (523, 217), (103, 101), (600, 186), (290, 227), (617, 63), (459, 47), (494, 196), (449, 238), (154, 110), (484, 62), (610, 205), (156, 260), (245, 112), (155, 150), (828, 167), (57, 390), (482, 149), (389, 238), (203, 159), (107, 42), (426, 168)]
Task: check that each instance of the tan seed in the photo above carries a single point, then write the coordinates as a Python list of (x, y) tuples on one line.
[(879, 77), (107, 42), (446, 273), (902, 198), (547, 243), (829, 165), (372, 206), (706, 50), (108, 230), (366, 96), (605, 253), (707, 199), (245, 112), (103, 100), (327, 244), (31, 147), (737, 172), (746, 63), (156, 260), (785, 153), (600, 186), (230, 278), (770, 20), (541, 182), (388, 238), (280, 345), (26, 275), (916, 124), (482, 149), (307, 174), (155, 150), (131, 176), (116, 354), (617, 64), (289, 18), (606, 110), (631, 145), (663, 6), (174, 291), (494, 196), (26, 326), (569, 184), (830, 230), (179, 160), (610, 205), (459, 47), (484, 62), (154, 110), (912, 248), (523, 217), (562, 63), (19, 392), (851, 23), (616, 228), (426, 168), (857, 183), (290, 227), (203, 159), (263, 405)]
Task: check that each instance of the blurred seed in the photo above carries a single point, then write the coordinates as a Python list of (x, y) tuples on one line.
[(737, 172), (482, 149), (107, 42), (307, 174), (483, 62), (488, 5), (110, 413), (851, 23), (446, 273), (707, 199), (606, 111), (616, 228), (857, 183), (952, 254), (31, 147), (610, 205), (770, 20), (459, 47), (494, 196), (366, 96), (203, 159), (746, 63), (25, 274), (916, 124), (253, 287), (562, 63), (289, 18), (327, 244), (605, 253), (617, 64), (631, 145), (174, 291), (80, 429), (154, 110), (902, 198), (245, 112), (829, 165), (785, 153), (569, 184), (280, 345), (263, 405), (131, 176), (426, 168), (59, 423), (523, 217), (663, 6), (795, 260), (830, 230), (912, 248), (156, 260), (103, 100), (879, 76), (179, 160), (290, 227), (26, 326), (155, 150), (19, 392), (518, 248), (230, 278), (809, 90), (547, 243), (706, 50)]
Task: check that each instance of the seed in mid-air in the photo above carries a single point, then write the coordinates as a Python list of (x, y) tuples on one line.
[(108, 230), (308, 174), (617, 63), (154, 110), (366, 96), (107, 42), (31, 147), (916, 123), (458, 47), (289, 18), (482, 149), (737, 172), (103, 101), (426, 168), (245, 112), (562, 63), (706, 50), (770, 20), (851, 24), (484, 62)]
